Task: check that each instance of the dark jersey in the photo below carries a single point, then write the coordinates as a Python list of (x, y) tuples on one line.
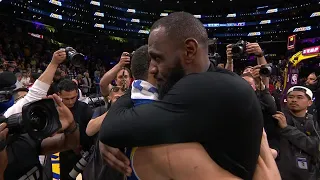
[(218, 109)]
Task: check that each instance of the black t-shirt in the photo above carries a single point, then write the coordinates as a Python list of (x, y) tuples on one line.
[(218, 109), (23, 156), (82, 114)]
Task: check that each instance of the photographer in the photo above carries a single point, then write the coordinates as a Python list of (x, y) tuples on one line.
[(268, 106), (40, 88), (119, 73), (20, 158), (250, 48)]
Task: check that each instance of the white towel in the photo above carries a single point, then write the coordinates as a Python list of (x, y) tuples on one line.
[(143, 90)]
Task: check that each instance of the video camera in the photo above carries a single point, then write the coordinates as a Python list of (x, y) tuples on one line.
[(239, 49), (39, 119)]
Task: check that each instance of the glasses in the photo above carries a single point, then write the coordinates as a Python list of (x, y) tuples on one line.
[(117, 89)]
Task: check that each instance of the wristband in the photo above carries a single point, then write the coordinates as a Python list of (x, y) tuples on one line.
[(67, 132)]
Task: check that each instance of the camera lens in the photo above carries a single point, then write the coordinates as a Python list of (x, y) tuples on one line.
[(237, 49), (38, 119)]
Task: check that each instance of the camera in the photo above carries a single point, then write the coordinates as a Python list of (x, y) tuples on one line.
[(74, 57), (239, 49), (39, 119), (266, 70)]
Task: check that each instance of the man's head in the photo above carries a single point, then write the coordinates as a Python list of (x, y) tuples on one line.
[(311, 80), (299, 98), (123, 76), (68, 92), (18, 94), (115, 93), (249, 78), (86, 75), (177, 45), (19, 76), (248, 69), (140, 64)]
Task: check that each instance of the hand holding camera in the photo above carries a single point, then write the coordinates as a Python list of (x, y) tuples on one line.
[(125, 59), (65, 115), (254, 48), (229, 53), (59, 56)]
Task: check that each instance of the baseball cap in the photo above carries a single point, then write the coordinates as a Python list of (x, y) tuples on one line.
[(301, 88)]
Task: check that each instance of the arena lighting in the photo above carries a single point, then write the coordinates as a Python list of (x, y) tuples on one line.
[(301, 29), (96, 3), (311, 50), (315, 14), (99, 14), (265, 22), (99, 25), (232, 15), (212, 25), (272, 11), (135, 20), (254, 34), (58, 3), (56, 16), (197, 16), (164, 14), (131, 11)]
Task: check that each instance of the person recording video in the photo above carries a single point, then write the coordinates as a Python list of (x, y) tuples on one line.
[(22, 153), (120, 73)]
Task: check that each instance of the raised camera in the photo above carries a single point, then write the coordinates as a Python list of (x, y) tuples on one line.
[(74, 57), (266, 70), (239, 49)]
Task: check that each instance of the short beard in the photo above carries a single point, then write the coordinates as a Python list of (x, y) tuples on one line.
[(174, 76)]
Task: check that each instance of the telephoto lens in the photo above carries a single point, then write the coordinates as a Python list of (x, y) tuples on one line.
[(81, 164), (74, 57), (266, 70), (239, 49)]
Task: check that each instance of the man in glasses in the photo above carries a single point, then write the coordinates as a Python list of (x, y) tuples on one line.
[(299, 137)]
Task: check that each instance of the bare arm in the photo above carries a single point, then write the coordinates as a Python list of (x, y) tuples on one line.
[(229, 64), (60, 142), (112, 73), (191, 161), (94, 125)]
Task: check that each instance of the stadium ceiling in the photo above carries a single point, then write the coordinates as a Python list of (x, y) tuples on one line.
[(197, 6)]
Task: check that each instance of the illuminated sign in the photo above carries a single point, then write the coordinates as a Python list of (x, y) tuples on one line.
[(58, 3), (99, 14), (135, 20), (291, 42), (301, 29), (164, 14), (131, 11), (311, 50), (232, 15), (254, 34), (225, 25), (36, 35), (143, 32), (197, 16), (315, 14), (265, 22), (57, 16), (96, 3), (272, 11), (99, 25)]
